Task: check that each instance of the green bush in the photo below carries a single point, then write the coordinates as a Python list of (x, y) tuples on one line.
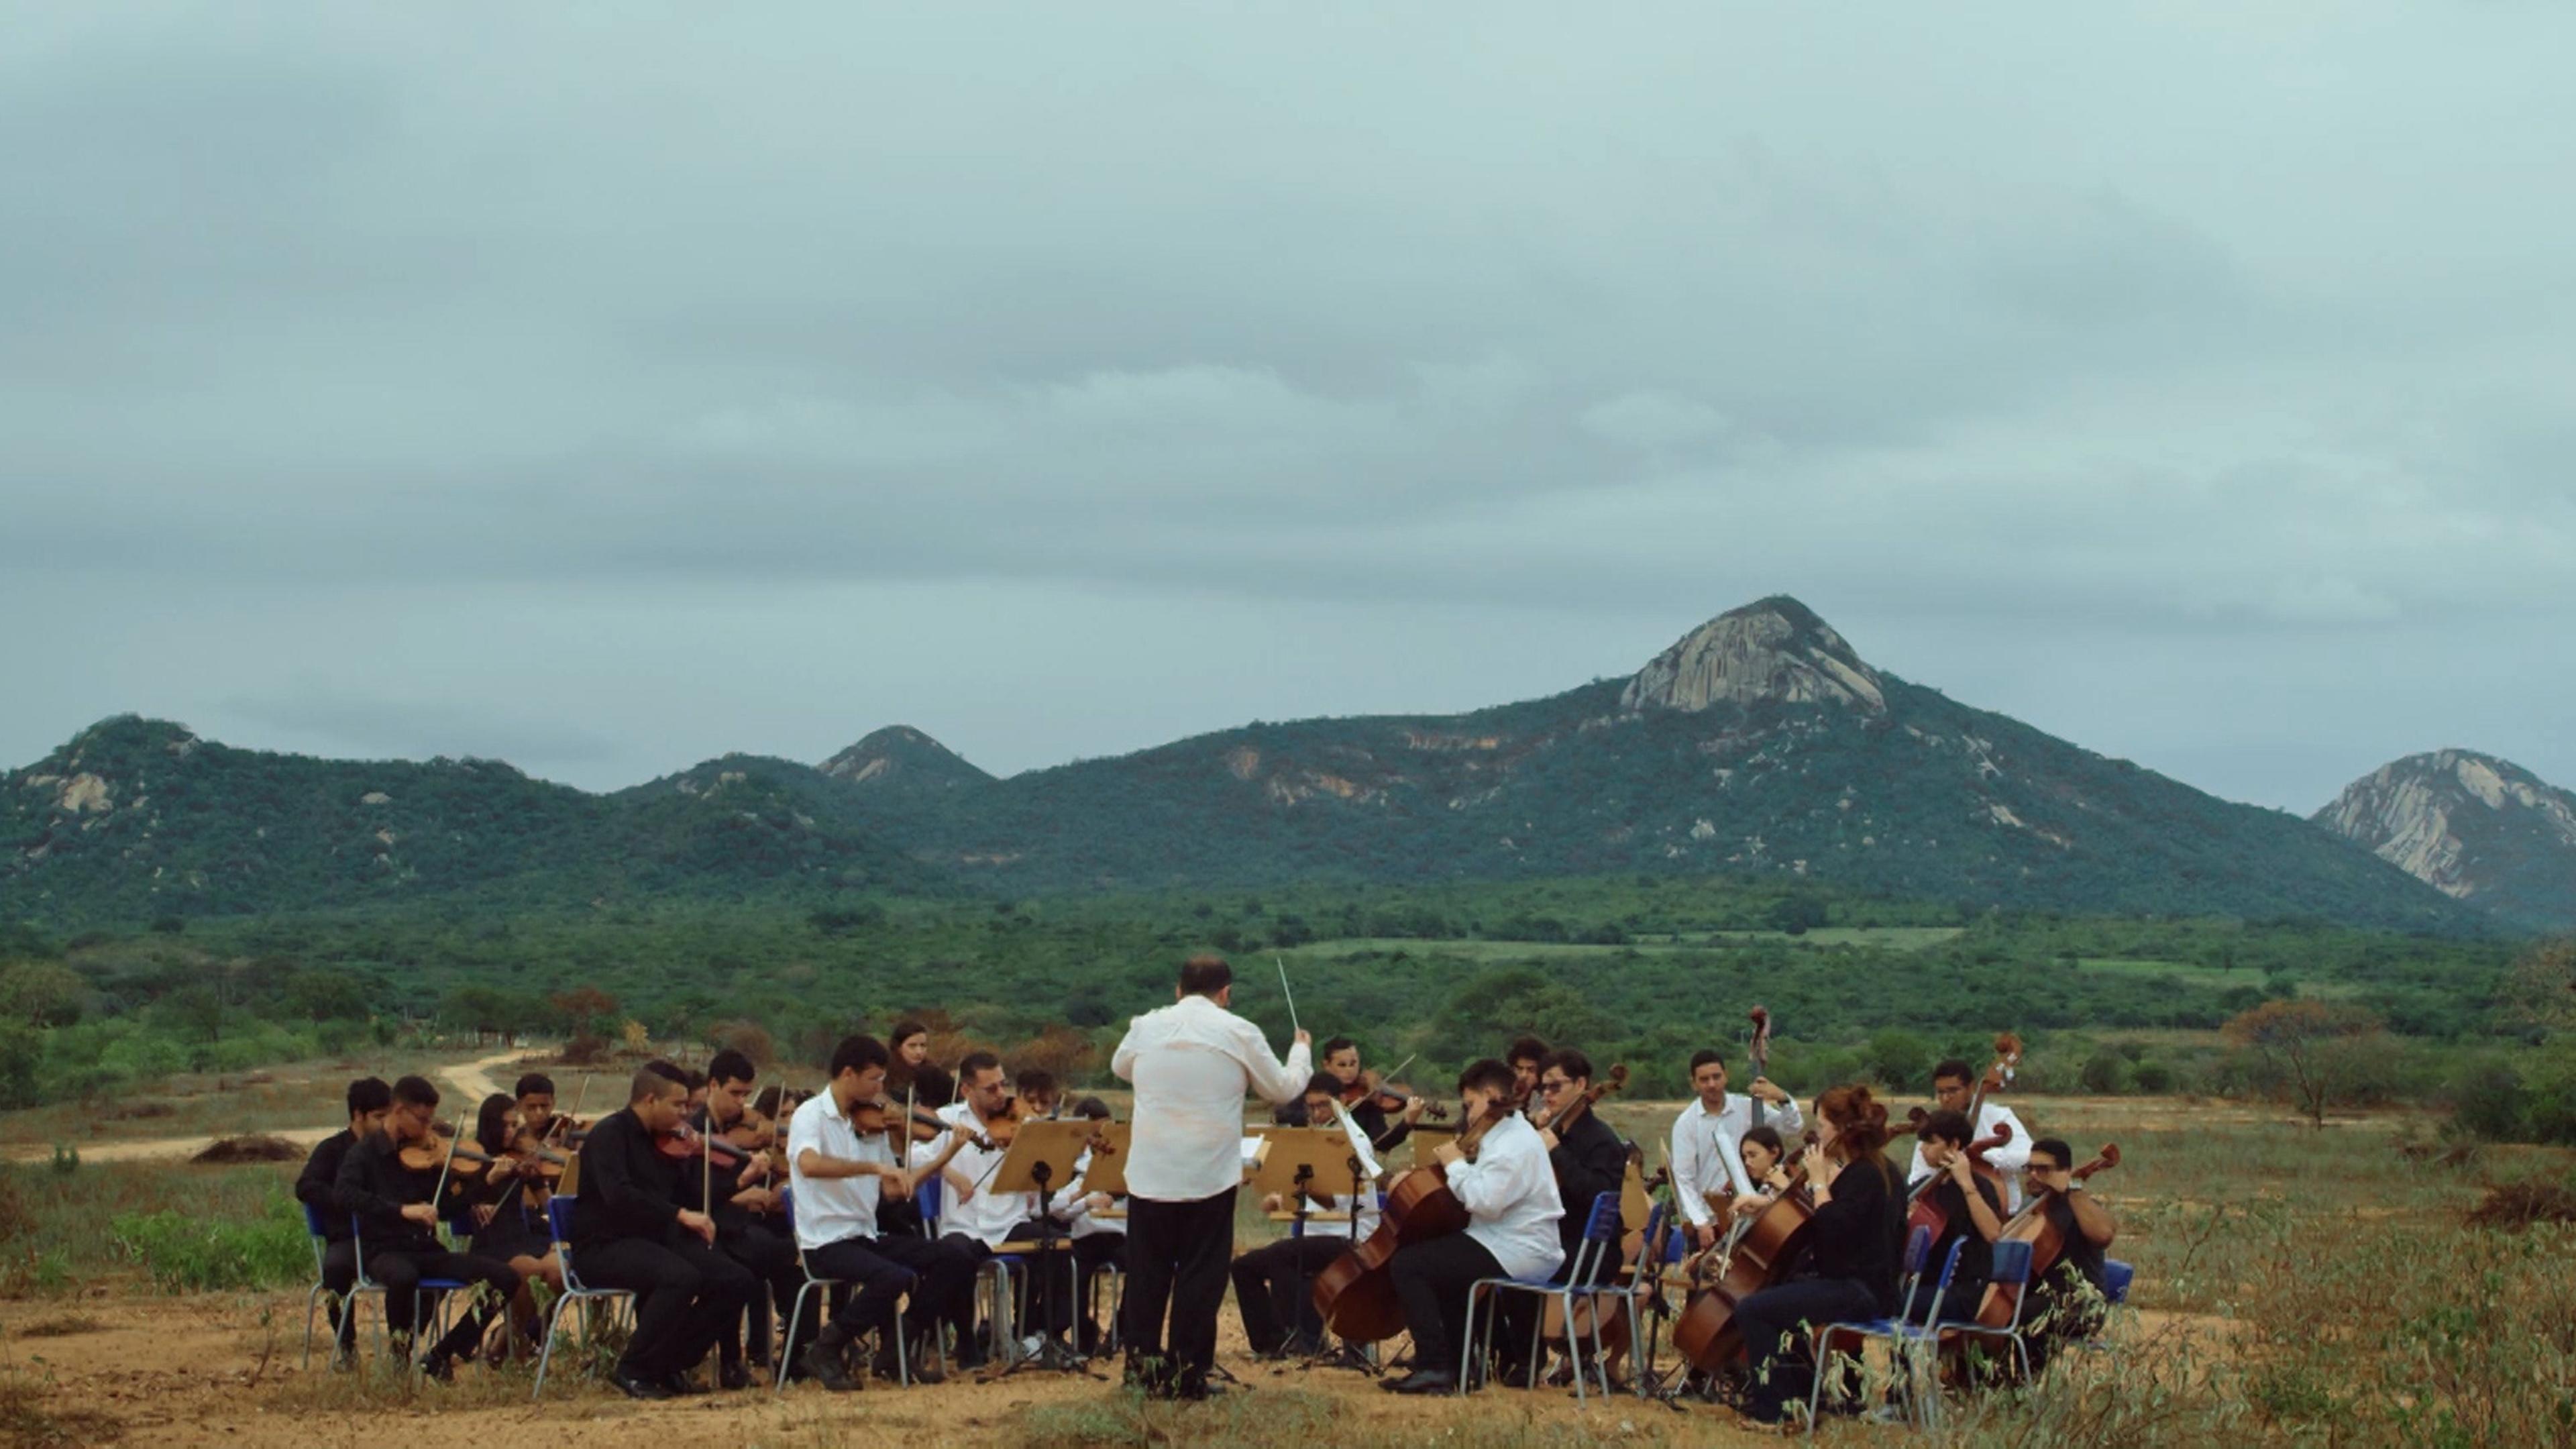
[(2106, 1073), (2489, 1103), (186, 1254)]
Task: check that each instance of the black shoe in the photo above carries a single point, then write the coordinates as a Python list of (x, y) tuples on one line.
[(439, 1366), (1196, 1390), (635, 1386), (884, 1367), (733, 1377), (1425, 1381), (971, 1357), (681, 1385), (1517, 1376), (824, 1367)]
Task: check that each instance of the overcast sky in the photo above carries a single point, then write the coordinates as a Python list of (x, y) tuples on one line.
[(608, 387)]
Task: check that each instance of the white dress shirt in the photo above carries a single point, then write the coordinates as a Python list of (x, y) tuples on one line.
[(1192, 1062), (985, 1216), (2008, 1159), (831, 1209), (1071, 1205), (1706, 1153), (1510, 1195)]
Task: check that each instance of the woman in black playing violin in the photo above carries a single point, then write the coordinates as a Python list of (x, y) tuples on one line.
[(1852, 1249)]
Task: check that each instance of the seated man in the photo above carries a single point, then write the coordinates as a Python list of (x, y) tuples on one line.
[(1099, 1238), (1972, 1216), (975, 1218), (318, 1187), (744, 1203), (2066, 1302), (397, 1224), (1509, 1192), (839, 1176), (630, 1231), (1274, 1283)]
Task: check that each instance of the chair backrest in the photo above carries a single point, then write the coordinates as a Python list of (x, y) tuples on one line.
[(559, 1218), (1603, 1225), (927, 1195), (1918, 1246), (2115, 1280), (2011, 1262), (313, 1224)]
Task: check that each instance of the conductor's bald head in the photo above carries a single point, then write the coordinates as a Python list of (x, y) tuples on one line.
[(1206, 975)]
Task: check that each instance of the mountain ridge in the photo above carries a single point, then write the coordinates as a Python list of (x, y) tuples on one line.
[(2477, 827)]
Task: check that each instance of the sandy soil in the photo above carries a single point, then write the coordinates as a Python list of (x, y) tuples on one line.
[(472, 1080)]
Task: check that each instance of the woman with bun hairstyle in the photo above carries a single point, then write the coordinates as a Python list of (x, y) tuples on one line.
[(1852, 1249)]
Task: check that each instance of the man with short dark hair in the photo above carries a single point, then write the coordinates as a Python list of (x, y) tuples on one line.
[(2066, 1301), (745, 1206), (1340, 1059), (396, 1211), (1191, 1063), (535, 1094), (629, 1231), (1523, 1056), (1587, 1159), (840, 1176), (1273, 1284), (1972, 1215), (318, 1187), (1954, 1089), (1708, 1138)]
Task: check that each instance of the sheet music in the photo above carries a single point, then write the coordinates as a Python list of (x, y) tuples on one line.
[(1369, 1169)]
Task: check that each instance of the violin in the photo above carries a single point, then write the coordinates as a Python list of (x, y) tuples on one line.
[(1389, 1096), (870, 1118), (685, 1143), (453, 1156)]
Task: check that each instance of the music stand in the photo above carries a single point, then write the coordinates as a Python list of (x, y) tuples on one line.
[(1042, 1154), (1426, 1143)]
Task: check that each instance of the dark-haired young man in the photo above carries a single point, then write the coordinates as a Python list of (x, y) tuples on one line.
[(630, 1231), (1972, 1215), (749, 1229), (1273, 1284), (1509, 1192), (535, 1094), (1708, 1137), (397, 1227), (1588, 1159), (1341, 1060), (840, 1177), (1954, 1085), (1191, 1062), (318, 1187), (2066, 1302), (1524, 1055)]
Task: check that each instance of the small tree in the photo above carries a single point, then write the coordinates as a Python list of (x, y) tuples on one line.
[(2299, 1037)]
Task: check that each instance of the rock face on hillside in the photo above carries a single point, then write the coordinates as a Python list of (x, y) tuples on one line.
[(1776, 650), (2474, 827), (902, 760)]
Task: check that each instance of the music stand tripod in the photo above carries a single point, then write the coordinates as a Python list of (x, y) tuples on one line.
[(1044, 1152)]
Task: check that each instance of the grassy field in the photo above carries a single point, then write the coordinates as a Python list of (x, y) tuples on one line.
[(2216, 978)]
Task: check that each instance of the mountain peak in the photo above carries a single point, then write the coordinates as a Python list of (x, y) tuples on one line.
[(2473, 826), (1771, 649), (899, 757)]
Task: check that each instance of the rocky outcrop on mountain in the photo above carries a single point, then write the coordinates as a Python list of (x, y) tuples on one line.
[(902, 760), (2474, 827), (1775, 650)]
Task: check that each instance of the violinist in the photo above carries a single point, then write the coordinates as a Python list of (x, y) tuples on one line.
[(1970, 1211), (535, 1094), (744, 1201), (1705, 1136), (2066, 1303), (1509, 1192), (840, 1173), (505, 1229), (1588, 1159), (396, 1198), (1524, 1055), (931, 1088), (1098, 1240), (1851, 1264), (974, 1220), (632, 1232), (1273, 1284), (1954, 1089), (317, 1187), (1341, 1058)]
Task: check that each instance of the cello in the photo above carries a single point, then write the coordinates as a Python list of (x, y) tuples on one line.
[(1764, 1254), (1922, 1210), (2032, 1225), (1355, 1295)]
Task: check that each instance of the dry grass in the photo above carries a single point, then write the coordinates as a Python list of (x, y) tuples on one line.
[(61, 1325), (2516, 1205), (33, 1417)]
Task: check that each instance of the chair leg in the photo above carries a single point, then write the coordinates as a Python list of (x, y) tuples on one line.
[(781, 1357), (1468, 1356), (546, 1355), (313, 1301)]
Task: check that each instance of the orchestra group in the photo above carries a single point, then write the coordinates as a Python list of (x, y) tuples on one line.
[(721, 1204)]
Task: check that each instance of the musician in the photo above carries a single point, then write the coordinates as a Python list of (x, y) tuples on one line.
[(1588, 1159), (1524, 1055), (1972, 1217), (910, 1044), (535, 1094), (1704, 1162), (1274, 1284), (1851, 1264), (1953, 1089), (506, 1229), (840, 1176), (397, 1209), (1191, 1063), (1342, 1060), (744, 1201), (1762, 1157), (930, 1089), (1509, 1192), (318, 1187), (2066, 1303), (1098, 1238), (631, 1231)]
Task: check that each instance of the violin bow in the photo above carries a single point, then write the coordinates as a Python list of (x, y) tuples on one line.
[(445, 1165)]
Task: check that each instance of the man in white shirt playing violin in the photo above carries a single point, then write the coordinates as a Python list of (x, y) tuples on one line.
[(1191, 1063)]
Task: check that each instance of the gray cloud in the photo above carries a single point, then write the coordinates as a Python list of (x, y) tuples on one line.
[(2193, 388)]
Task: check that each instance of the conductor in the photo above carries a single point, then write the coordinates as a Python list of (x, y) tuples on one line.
[(1191, 1063)]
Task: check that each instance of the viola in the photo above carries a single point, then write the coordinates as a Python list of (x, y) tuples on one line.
[(685, 1143)]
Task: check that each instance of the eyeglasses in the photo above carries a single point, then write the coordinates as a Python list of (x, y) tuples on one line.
[(1552, 1088)]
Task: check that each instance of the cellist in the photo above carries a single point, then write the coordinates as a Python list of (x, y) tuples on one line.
[(1954, 1089), (2067, 1300), (1970, 1211), (1509, 1192), (1705, 1137), (1588, 1159)]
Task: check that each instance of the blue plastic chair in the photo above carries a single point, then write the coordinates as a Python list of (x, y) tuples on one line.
[(431, 1298), (2011, 1269), (1600, 1238), (347, 1304), (559, 1227), (1902, 1333)]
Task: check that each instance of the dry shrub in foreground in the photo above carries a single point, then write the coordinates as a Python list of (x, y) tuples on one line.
[(2517, 1205)]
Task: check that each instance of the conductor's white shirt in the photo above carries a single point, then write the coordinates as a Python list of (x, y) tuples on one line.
[(1510, 1195), (1192, 1062)]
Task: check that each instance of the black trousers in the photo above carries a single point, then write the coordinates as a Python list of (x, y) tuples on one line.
[(1274, 1288), (686, 1295), (1770, 1323), (489, 1288), (1091, 1255), (770, 1257), (340, 1274), (1177, 1253), (1431, 1281), (938, 1275)]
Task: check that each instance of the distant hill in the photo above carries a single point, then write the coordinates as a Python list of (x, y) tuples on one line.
[(135, 819), (1760, 742), (2474, 827)]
